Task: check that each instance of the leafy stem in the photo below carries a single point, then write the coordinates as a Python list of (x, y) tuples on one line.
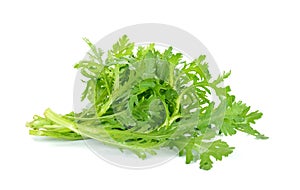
[(137, 101)]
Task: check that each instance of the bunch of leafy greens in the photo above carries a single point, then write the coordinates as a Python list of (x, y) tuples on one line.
[(142, 99)]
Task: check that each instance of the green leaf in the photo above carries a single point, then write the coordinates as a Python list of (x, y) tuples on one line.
[(198, 149), (96, 53), (121, 48), (218, 149), (142, 51), (239, 118), (198, 69)]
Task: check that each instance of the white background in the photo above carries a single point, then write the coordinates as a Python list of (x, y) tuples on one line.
[(41, 40)]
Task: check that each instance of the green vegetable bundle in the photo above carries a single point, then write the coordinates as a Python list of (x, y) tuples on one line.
[(142, 99)]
